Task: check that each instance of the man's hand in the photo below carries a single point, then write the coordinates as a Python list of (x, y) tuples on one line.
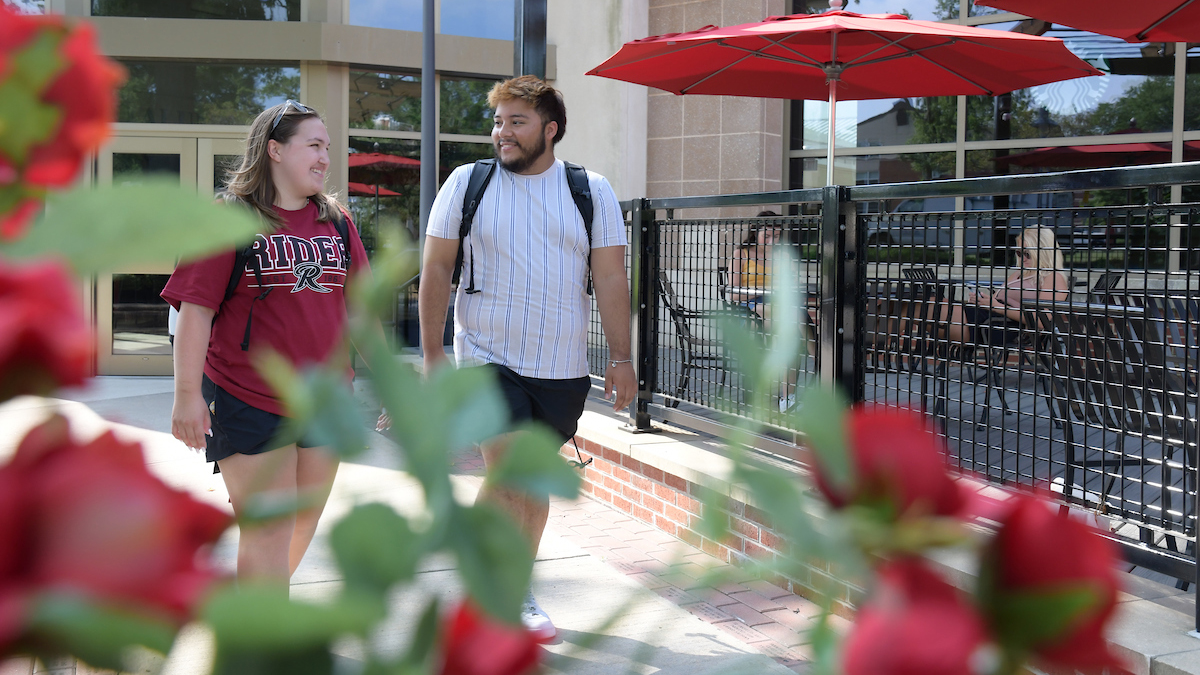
[(623, 379)]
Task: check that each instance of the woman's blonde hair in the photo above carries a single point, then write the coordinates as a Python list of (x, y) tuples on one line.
[(1040, 241), (250, 183)]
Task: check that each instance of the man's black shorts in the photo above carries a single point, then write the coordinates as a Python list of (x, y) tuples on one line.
[(238, 427), (557, 403)]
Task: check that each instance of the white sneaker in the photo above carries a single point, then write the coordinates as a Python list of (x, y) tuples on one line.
[(535, 620)]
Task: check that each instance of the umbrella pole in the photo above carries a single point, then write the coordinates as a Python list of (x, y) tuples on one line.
[(832, 124)]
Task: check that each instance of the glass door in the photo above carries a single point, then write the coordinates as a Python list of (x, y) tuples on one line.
[(131, 319)]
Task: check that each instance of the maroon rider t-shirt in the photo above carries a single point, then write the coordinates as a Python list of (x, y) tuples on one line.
[(303, 318)]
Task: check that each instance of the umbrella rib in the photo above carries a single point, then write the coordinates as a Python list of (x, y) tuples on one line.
[(649, 56), (1142, 34), (749, 53)]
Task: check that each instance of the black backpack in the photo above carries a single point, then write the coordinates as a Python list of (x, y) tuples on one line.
[(481, 175), (245, 256)]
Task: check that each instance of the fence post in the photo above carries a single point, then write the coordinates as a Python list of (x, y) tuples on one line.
[(841, 279), (644, 311)]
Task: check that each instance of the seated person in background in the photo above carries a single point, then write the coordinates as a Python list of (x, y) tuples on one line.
[(750, 269), (993, 315)]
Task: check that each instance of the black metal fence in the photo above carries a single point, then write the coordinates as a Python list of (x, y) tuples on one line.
[(1047, 322)]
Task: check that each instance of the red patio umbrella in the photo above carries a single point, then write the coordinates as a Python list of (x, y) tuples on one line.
[(843, 55), (1099, 156), (364, 190), (1141, 21), (380, 161)]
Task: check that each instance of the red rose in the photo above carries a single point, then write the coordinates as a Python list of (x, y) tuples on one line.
[(914, 623), (1050, 586), (474, 645), (86, 92), (898, 465), (44, 339), (91, 519)]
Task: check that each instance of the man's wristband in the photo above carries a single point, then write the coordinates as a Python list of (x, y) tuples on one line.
[(613, 363)]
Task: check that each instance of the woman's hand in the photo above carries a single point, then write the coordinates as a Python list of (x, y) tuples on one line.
[(190, 422)]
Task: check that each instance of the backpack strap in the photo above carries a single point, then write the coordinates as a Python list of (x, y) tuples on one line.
[(581, 192), (481, 175)]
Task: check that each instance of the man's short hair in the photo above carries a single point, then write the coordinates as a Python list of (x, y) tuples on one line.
[(546, 100)]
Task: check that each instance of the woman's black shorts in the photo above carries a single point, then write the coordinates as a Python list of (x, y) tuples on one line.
[(238, 427), (557, 403)]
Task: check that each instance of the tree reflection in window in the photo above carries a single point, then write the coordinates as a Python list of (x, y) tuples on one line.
[(185, 92), (388, 101), (464, 107)]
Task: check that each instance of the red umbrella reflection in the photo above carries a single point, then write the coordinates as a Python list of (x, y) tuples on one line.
[(1143, 21), (1099, 156), (364, 190)]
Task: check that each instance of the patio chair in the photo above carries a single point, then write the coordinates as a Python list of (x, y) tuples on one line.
[(696, 351), (1109, 372)]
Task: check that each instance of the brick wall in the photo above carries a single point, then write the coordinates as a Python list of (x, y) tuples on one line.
[(674, 505)]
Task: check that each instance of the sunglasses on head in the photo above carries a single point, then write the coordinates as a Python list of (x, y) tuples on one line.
[(300, 108)]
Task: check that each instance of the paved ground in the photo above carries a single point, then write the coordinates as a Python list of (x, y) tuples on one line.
[(625, 596)]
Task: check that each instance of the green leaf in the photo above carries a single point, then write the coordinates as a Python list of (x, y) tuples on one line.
[(476, 408), (426, 636), (40, 61), (493, 558), (262, 619), (375, 548), (309, 660), (821, 417), (531, 464), (157, 221), (1023, 620), (95, 633), (24, 120)]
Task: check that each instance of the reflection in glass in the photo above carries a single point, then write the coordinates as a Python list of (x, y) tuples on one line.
[(1134, 95), (187, 92), (394, 14), (245, 10), (464, 107), (455, 155), (27, 6), (139, 315), (385, 101), (871, 169), (131, 168), (386, 192), (1191, 98), (479, 18)]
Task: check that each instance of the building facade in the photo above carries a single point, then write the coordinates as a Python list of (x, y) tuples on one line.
[(199, 70)]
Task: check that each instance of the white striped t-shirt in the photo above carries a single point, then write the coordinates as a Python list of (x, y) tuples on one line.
[(530, 253)]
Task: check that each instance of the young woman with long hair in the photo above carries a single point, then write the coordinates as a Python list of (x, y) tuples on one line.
[(289, 299)]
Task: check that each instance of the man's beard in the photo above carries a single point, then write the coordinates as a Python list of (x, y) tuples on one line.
[(526, 159)]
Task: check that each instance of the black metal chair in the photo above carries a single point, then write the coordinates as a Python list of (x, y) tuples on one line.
[(698, 352)]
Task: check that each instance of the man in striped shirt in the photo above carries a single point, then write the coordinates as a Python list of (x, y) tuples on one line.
[(529, 254)]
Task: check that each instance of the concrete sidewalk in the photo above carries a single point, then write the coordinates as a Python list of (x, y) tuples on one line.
[(624, 596)]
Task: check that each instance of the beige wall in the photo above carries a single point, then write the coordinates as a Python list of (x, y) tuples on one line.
[(606, 119), (702, 145)]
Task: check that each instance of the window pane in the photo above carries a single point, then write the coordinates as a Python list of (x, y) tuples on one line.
[(222, 165), (246, 10), (464, 107), (131, 168), (926, 10), (385, 101), (897, 121), (455, 155), (1191, 101), (870, 169), (479, 18), (184, 92), (1134, 95), (385, 190), (139, 315), (394, 14), (27, 6)]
